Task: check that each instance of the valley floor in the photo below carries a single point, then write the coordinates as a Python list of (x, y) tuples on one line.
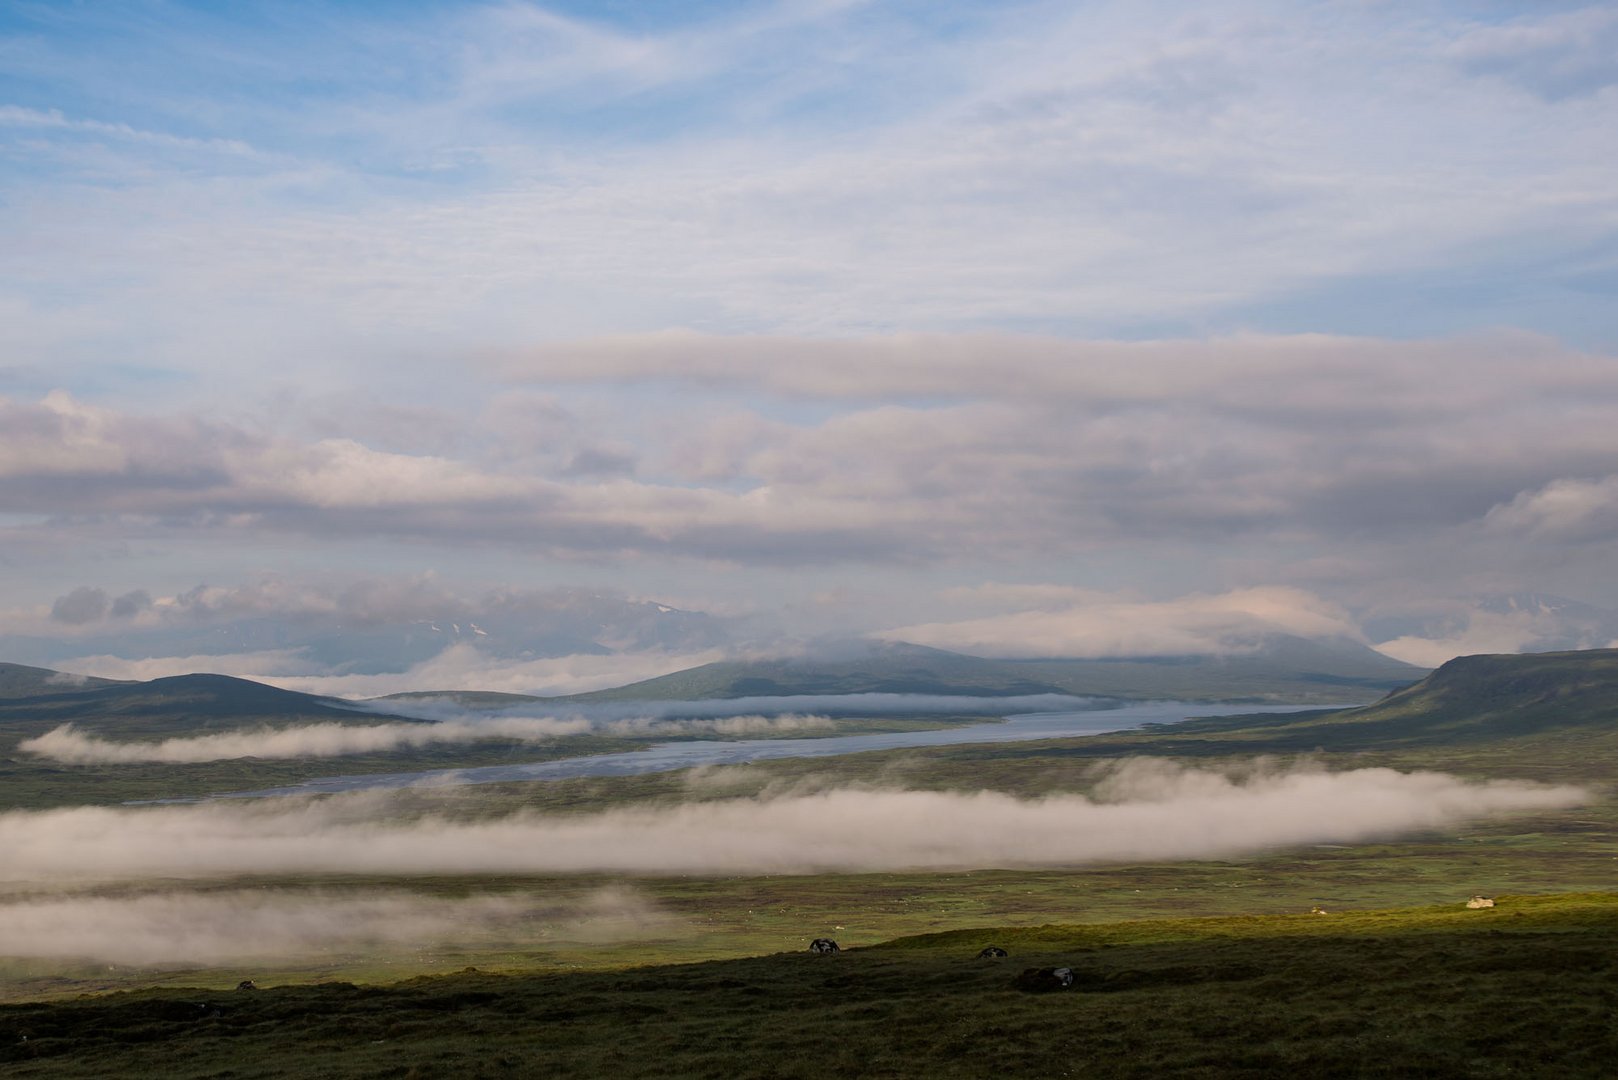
[(1528, 988)]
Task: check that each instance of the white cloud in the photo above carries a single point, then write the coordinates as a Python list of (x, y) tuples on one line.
[(238, 926), (1164, 812), (1103, 626), (465, 667), (459, 666), (73, 747), (69, 746), (1566, 508), (263, 666)]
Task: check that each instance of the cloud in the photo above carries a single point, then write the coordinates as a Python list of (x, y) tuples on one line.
[(455, 667), (466, 667), (1556, 56), (64, 744), (1572, 509), (1110, 626), (1509, 624), (922, 450), (82, 605), (19, 117), (69, 746), (1163, 811), (1099, 165), (238, 926), (262, 665)]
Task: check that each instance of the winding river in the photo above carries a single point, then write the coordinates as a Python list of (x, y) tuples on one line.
[(663, 757)]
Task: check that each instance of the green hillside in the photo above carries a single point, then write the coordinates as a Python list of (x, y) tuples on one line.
[(1523, 989), (1469, 701)]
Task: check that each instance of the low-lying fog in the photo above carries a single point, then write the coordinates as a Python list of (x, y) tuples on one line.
[(447, 722), (72, 747), (103, 882), (1142, 810), (219, 927)]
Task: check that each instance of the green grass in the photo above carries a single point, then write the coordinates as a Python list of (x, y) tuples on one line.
[(1527, 988)]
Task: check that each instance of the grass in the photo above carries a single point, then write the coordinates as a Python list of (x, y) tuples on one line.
[(1527, 988)]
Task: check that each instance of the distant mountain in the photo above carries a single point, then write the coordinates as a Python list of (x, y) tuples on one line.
[(880, 667), (181, 704), (21, 681), (1281, 668)]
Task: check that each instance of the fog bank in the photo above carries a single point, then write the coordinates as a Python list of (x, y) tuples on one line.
[(1143, 810), (69, 746), (72, 747), (254, 924)]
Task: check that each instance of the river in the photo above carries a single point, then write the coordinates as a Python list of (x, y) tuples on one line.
[(663, 757)]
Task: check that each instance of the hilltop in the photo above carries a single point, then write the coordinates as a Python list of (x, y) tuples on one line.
[(22, 681), (1279, 668), (174, 705)]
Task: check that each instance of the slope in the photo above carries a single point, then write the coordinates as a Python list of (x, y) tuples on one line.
[(180, 704), (1471, 700), (1279, 668), (22, 681)]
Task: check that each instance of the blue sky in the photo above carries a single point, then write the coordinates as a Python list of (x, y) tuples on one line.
[(821, 312)]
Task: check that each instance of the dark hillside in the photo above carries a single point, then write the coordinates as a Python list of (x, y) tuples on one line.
[(1279, 669), (169, 706), (19, 680)]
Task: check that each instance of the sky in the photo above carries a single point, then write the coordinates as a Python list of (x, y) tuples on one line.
[(544, 347)]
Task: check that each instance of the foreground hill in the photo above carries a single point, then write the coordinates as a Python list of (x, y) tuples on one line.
[(1525, 988), (1281, 668), (1470, 700), (180, 704)]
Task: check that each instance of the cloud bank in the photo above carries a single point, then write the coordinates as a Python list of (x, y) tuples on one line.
[(1160, 811), (240, 925), (1102, 625), (69, 746)]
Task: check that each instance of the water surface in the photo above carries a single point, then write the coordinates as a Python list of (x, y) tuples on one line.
[(664, 757)]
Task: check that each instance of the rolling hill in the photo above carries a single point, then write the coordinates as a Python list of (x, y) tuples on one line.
[(22, 681), (179, 704), (1281, 668), (1469, 701)]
